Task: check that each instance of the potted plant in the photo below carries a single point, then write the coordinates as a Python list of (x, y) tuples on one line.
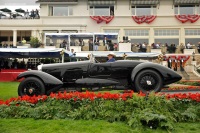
[(34, 42)]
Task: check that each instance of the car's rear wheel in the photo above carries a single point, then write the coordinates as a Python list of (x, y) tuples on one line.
[(148, 80), (31, 86)]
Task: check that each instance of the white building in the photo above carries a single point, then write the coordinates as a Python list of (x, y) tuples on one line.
[(65, 16)]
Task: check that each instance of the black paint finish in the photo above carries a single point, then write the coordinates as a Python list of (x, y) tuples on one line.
[(87, 74)]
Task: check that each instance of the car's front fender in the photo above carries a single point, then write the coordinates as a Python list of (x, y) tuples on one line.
[(45, 77)]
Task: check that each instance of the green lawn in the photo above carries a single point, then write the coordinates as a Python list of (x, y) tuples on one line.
[(8, 90), (81, 126)]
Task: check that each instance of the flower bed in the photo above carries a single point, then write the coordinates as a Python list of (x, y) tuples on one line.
[(188, 88), (94, 96), (136, 110)]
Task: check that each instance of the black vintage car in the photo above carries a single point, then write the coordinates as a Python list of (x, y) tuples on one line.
[(124, 74)]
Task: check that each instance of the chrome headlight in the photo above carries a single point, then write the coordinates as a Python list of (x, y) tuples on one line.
[(39, 67)]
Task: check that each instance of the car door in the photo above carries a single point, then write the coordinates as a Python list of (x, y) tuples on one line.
[(100, 70), (121, 70), (74, 71)]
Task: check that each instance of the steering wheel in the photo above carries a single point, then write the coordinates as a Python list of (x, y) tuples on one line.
[(96, 61)]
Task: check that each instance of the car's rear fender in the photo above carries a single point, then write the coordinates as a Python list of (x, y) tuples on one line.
[(45, 77)]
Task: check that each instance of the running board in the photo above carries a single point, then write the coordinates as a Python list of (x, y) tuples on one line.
[(55, 89)]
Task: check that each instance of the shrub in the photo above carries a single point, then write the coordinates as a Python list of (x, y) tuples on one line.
[(136, 110), (34, 41)]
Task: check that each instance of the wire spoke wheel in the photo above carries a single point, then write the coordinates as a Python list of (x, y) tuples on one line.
[(31, 86), (148, 80)]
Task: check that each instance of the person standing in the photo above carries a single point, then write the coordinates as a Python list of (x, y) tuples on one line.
[(81, 42), (2, 64), (37, 13), (0, 15), (26, 14), (144, 49), (96, 44), (105, 43), (32, 14), (175, 64), (111, 46), (73, 56), (169, 62), (174, 48), (198, 47), (153, 45), (67, 45), (9, 63), (115, 46), (182, 64), (189, 46), (11, 15), (182, 48), (157, 45), (72, 51), (64, 45), (90, 42), (5, 45), (72, 42)]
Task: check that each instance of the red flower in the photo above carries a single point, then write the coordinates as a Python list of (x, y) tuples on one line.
[(124, 99), (75, 99), (1, 102), (141, 94), (92, 96)]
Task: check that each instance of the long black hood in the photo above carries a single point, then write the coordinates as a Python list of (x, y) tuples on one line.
[(59, 69), (64, 65)]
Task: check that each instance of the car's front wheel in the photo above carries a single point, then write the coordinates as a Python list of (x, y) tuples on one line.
[(148, 80), (31, 86)]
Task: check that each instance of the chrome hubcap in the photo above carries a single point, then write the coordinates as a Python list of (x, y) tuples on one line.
[(30, 90), (149, 82)]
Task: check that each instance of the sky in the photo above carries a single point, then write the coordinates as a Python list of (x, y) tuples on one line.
[(15, 4)]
